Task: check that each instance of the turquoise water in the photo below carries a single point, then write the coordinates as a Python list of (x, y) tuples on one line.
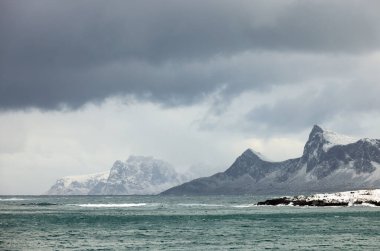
[(181, 223)]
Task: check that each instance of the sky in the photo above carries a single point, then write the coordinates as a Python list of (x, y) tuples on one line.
[(194, 83)]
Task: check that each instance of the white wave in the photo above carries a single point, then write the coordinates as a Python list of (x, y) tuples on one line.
[(367, 205), (244, 205), (281, 205), (199, 205), (112, 205), (285, 205), (11, 199)]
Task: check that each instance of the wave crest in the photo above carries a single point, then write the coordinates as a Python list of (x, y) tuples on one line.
[(112, 205)]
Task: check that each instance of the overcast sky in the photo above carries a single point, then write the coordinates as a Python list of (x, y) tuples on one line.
[(195, 83)]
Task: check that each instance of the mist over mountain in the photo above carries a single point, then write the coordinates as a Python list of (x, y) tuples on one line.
[(137, 175), (330, 162)]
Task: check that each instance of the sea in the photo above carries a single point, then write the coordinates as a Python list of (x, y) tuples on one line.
[(181, 223)]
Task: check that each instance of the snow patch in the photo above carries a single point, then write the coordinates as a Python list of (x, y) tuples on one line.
[(68, 180), (334, 139), (348, 196)]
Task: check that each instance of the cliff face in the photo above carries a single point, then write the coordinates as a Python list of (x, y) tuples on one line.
[(330, 162)]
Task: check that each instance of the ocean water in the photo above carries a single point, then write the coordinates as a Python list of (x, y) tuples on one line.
[(181, 223)]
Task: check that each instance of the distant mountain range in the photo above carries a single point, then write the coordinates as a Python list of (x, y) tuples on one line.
[(330, 162), (137, 175)]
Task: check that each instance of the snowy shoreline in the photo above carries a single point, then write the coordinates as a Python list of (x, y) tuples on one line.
[(369, 197)]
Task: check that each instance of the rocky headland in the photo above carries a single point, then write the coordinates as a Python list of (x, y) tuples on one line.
[(349, 198)]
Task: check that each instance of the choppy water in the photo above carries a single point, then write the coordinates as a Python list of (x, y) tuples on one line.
[(181, 223)]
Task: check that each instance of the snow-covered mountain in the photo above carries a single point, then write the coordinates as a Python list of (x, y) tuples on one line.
[(140, 175), (137, 175), (78, 185), (330, 162)]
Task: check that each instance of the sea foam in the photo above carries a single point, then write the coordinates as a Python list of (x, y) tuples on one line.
[(199, 205), (112, 205), (11, 199), (244, 205)]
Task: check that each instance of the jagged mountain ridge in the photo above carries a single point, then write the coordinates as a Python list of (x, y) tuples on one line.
[(330, 162), (78, 185), (136, 176)]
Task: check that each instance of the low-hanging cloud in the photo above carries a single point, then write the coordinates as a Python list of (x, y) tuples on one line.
[(56, 53), (316, 105)]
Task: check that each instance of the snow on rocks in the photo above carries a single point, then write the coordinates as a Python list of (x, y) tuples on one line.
[(334, 139), (348, 198)]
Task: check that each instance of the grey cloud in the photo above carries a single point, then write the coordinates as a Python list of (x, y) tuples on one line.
[(297, 112), (168, 84), (73, 52)]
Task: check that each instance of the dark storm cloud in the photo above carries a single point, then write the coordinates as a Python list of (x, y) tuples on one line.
[(73, 52)]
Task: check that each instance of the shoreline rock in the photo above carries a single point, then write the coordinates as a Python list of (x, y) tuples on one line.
[(349, 198)]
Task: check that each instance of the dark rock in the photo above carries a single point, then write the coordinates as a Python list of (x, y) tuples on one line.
[(39, 204), (275, 202), (376, 203), (300, 202)]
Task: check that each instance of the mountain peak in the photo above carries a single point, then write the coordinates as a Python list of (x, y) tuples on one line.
[(248, 152), (316, 134), (328, 138), (316, 129), (252, 153), (319, 144)]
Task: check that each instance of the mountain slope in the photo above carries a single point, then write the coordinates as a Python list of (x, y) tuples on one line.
[(137, 175), (77, 185), (140, 175), (330, 162)]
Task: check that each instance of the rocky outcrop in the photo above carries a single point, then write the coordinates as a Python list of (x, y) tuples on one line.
[(350, 198)]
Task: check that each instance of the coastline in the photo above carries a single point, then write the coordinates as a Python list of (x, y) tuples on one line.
[(347, 198)]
